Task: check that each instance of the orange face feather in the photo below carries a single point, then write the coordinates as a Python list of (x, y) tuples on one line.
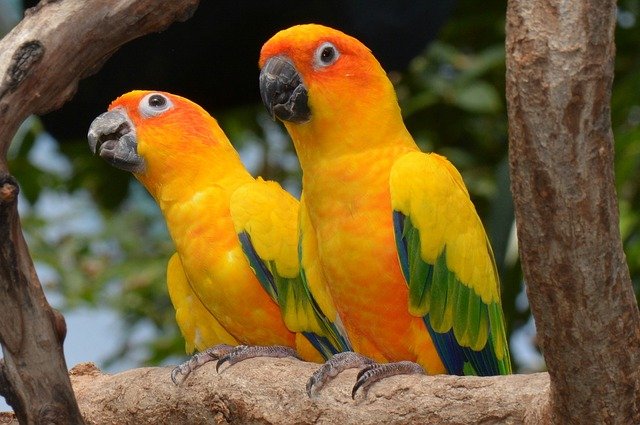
[(180, 142), (351, 82), (301, 44)]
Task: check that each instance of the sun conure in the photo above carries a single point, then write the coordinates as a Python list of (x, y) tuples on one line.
[(235, 276), (405, 256)]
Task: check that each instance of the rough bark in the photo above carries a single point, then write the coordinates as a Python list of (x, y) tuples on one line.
[(559, 76), (41, 62), (272, 391)]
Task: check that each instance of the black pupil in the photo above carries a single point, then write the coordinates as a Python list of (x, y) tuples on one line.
[(157, 101), (327, 54)]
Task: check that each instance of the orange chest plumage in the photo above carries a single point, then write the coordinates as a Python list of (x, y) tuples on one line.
[(356, 246)]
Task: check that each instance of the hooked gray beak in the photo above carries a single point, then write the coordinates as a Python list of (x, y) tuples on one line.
[(113, 137), (283, 92)]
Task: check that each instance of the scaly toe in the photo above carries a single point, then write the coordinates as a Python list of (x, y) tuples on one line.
[(376, 372), (332, 367), (181, 372), (244, 352)]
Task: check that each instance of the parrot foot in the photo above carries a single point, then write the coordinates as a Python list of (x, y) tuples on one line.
[(244, 352), (376, 372), (332, 367), (180, 373)]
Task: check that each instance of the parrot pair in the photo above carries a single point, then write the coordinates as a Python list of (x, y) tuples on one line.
[(384, 260)]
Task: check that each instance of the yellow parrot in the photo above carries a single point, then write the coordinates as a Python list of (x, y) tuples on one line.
[(405, 256), (235, 276)]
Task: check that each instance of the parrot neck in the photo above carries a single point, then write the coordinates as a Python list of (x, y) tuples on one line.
[(182, 179), (330, 138), (349, 116)]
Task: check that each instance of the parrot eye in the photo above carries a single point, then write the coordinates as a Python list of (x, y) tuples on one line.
[(154, 104), (157, 101), (326, 55)]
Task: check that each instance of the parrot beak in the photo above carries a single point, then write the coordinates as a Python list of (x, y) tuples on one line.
[(283, 92), (113, 137)]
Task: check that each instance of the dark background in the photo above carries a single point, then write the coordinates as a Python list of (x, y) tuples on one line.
[(222, 41)]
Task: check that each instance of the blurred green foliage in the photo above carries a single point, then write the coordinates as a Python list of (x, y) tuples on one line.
[(452, 98), (625, 118)]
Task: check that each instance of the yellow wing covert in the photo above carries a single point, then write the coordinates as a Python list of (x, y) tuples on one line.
[(266, 221)]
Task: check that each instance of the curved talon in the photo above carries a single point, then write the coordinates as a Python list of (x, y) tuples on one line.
[(222, 360), (197, 360), (362, 378), (310, 383), (376, 372), (355, 389), (332, 367), (228, 356), (179, 370)]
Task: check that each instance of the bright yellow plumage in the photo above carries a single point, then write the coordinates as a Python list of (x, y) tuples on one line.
[(404, 254), (309, 261), (199, 327)]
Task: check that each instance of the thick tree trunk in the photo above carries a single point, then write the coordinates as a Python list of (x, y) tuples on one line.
[(41, 62), (559, 74)]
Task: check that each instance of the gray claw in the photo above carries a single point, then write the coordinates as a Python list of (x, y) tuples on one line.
[(197, 360), (332, 367), (376, 372)]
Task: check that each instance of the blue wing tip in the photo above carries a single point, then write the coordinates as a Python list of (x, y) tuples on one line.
[(321, 344), (454, 356)]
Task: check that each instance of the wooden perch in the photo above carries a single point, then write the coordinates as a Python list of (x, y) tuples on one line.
[(272, 391), (41, 61)]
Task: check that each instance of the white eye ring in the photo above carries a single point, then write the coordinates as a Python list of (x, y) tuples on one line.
[(325, 55), (154, 104)]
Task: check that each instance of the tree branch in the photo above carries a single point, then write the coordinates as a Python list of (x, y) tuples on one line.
[(41, 61), (559, 77), (272, 391)]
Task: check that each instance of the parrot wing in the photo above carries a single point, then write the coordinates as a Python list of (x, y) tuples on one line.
[(199, 327), (448, 264), (266, 221), (315, 283)]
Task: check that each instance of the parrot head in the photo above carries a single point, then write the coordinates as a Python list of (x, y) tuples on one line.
[(316, 78), (157, 135)]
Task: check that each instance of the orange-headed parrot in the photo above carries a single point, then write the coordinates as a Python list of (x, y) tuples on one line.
[(405, 256), (235, 276)]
